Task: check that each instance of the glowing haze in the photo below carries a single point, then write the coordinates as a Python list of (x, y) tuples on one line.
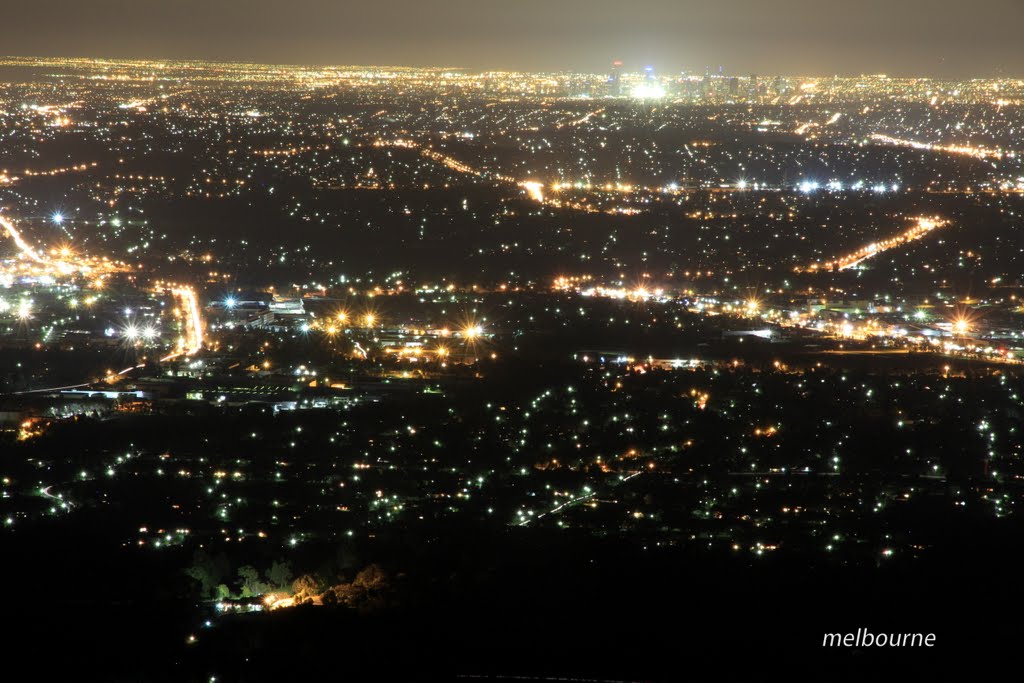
[(910, 37)]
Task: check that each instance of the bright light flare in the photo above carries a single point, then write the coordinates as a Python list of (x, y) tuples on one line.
[(648, 91), (534, 189)]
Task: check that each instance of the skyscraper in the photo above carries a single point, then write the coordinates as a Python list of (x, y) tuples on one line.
[(615, 79)]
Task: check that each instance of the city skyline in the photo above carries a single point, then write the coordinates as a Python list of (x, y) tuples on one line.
[(944, 39)]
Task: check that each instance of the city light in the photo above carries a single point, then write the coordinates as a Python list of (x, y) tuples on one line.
[(648, 91), (923, 226), (320, 347)]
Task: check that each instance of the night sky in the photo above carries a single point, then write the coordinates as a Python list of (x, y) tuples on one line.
[(819, 37)]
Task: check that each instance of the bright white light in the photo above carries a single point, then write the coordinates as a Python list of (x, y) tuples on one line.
[(534, 189), (57, 217), (648, 91), (230, 302)]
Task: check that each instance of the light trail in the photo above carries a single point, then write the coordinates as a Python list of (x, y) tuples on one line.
[(45, 493), (194, 333), (579, 121), (923, 227), (68, 387), (26, 249), (966, 150), (194, 337), (49, 389), (574, 501), (535, 190), (68, 265)]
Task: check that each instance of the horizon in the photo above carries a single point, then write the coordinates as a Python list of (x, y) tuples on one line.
[(938, 38), (640, 67)]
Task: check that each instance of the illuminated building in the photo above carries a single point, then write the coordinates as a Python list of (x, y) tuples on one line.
[(615, 79)]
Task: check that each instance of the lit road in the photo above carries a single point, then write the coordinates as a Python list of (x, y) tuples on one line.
[(194, 333), (66, 263), (922, 228), (574, 501), (966, 150), (45, 493), (24, 247), (69, 387)]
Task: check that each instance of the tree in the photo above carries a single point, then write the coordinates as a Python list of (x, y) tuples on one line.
[(249, 578), (367, 592), (306, 587), (372, 587), (370, 579), (208, 571), (342, 594), (279, 575)]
